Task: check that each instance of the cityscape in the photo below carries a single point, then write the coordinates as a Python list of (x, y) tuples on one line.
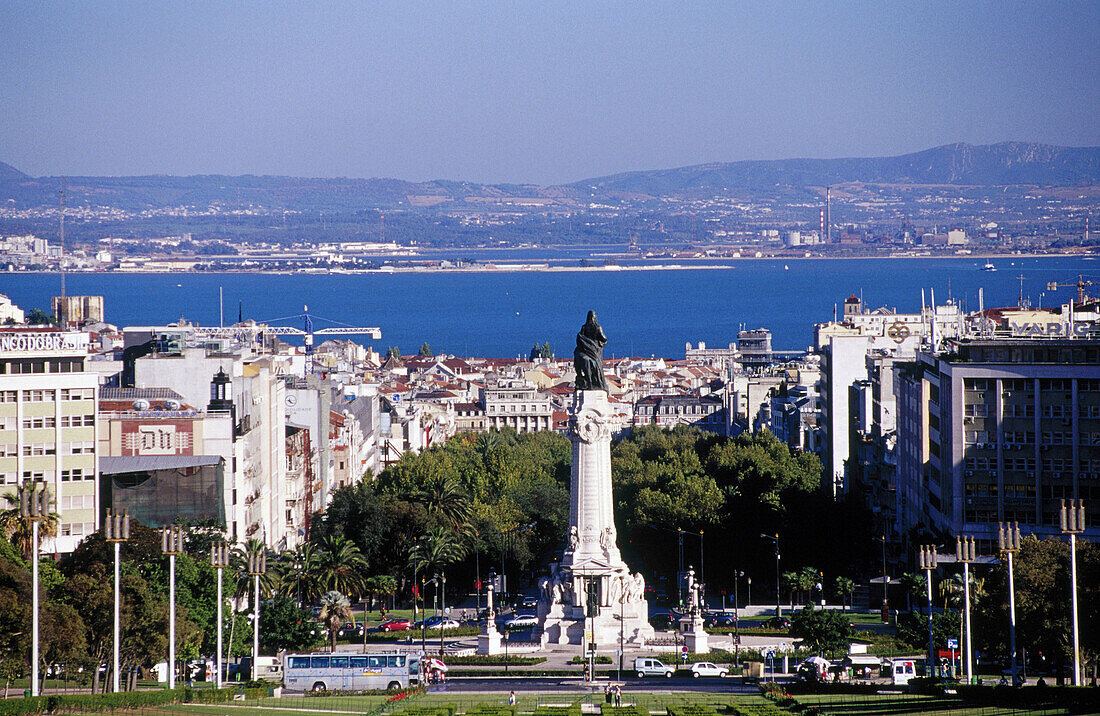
[(423, 360)]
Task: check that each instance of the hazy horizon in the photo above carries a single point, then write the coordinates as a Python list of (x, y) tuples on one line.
[(528, 93)]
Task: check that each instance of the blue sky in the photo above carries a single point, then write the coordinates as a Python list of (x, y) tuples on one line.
[(529, 92)]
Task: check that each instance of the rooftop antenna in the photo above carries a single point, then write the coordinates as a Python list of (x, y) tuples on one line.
[(1020, 298), (61, 262), (221, 307)]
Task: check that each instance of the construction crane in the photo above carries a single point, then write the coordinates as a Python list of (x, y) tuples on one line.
[(250, 330), (1080, 286)]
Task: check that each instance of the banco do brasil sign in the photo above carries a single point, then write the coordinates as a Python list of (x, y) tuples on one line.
[(42, 342)]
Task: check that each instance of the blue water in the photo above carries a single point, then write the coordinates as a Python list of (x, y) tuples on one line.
[(501, 315)]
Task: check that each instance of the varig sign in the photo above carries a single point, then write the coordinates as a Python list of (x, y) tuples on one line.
[(43, 342), (1078, 329)]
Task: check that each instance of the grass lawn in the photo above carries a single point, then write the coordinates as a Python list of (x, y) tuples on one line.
[(656, 703), (900, 704)]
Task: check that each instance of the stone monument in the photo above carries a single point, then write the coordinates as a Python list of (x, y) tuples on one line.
[(691, 623), (488, 642), (592, 592)]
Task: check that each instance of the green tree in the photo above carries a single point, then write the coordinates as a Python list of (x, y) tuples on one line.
[(822, 630), (38, 317), (335, 612), (339, 566), (15, 527), (393, 352), (913, 628), (914, 585), (380, 586), (844, 587), (286, 626), (425, 351), (436, 550)]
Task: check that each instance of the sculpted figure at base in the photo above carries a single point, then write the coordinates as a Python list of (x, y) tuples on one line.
[(588, 356)]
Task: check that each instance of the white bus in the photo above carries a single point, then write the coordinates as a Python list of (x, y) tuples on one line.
[(350, 672)]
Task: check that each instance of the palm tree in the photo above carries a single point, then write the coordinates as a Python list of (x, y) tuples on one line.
[(379, 586), (339, 565), (335, 612), (436, 550), (446, 499), (242, 580), (18, 529), (844, 587), (807, 580), (299, 574), (913, 583), (790, 581)]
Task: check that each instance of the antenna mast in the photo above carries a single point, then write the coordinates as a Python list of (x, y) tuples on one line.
[(61, 261)]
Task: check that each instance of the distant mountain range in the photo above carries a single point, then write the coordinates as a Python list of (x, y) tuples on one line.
[(1007, 163)]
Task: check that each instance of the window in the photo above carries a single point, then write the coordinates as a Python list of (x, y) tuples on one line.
[(38, 396), (8, 396), (77, 502), (339, 662), (42, 421), (318, 662), (358, 662), (376, 662), (299, 662)]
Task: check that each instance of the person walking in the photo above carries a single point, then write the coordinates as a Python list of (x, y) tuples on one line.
[(618, 695), (512, 699)]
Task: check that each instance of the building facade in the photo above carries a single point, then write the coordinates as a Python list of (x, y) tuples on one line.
[(48, 406), (999, 430)]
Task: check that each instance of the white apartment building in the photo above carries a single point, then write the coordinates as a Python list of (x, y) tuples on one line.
[(516, 404), (48, 425)]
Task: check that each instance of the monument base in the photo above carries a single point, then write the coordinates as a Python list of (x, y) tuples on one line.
[(488, 642), (694, 635)]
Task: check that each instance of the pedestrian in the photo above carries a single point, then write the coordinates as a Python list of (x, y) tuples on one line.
[(512, 699), (607, 694), (618, 695), (586, 672)]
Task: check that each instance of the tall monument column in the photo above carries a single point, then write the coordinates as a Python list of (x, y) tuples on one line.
[(591, 596)]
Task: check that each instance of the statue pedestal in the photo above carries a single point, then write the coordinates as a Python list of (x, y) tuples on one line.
[(488, 641), (592, 578), (694, 635)]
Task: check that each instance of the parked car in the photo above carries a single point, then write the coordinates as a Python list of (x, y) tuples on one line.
[(434, 623), (521, 621), (395, 624), (349, 630), (647, 666), (718, 619), (663, 621), (705, 668), (778, 623)]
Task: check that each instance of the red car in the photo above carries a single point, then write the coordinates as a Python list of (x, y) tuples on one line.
[(395, 624)]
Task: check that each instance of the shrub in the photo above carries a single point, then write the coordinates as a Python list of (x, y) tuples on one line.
[(495, 660), (601, 659)]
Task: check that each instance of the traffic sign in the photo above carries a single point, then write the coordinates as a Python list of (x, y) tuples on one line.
[(952, 644), (684, 649)]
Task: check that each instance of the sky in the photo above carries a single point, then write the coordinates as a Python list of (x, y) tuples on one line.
[(539, 92)]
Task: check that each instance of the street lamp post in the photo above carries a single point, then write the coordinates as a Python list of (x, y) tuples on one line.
[(885, 585), (219, 560), (737, 574), (34, 505), (257, 567), (442, 603), (966, 553), (778, 604), (1008, 539), (116, 530), (1072, 522), (928, 563), (171, 544), (748, 596)]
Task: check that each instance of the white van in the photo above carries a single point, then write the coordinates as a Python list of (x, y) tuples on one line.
[(648, 666), (902, 670)]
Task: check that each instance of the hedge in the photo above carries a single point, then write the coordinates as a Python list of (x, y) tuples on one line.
[(609, 710), (442, 710), (574, 710), (109, 703), (601, 659), (491, 710), (691, 710), (495, 660), (414, 634)]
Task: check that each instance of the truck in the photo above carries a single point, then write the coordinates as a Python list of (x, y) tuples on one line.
[(648, 666)]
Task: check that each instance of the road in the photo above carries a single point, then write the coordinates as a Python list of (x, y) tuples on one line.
[(563, 684)]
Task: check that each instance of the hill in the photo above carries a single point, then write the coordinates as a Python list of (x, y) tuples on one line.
[(954, 164)]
